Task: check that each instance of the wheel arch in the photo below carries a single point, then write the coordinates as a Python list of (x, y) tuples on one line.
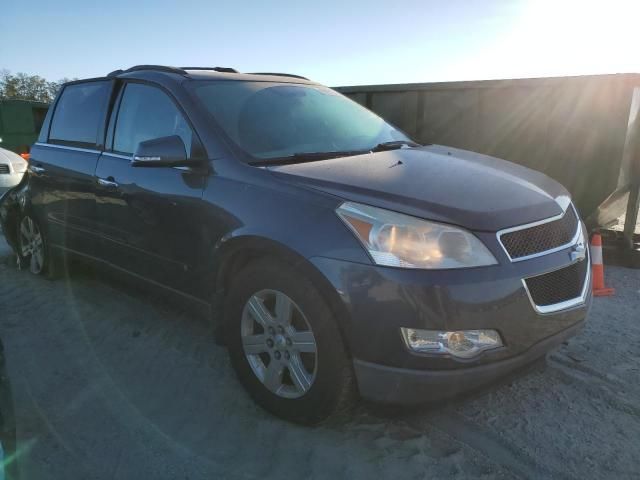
[(13, 205), (239, 252)]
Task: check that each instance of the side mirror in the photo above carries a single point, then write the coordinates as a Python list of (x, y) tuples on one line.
[(161, 152)]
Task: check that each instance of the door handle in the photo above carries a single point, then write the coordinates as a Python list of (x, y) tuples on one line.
[(108, 182), (36, 169)]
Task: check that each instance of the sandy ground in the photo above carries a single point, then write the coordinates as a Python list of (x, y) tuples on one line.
[(110, 385)]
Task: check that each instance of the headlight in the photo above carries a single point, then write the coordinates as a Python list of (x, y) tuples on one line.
[(461, 344), (396, 240)]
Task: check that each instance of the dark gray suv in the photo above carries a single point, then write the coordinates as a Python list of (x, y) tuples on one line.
[(337, 256)]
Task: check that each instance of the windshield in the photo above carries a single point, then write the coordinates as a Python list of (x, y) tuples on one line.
[(275, 120)]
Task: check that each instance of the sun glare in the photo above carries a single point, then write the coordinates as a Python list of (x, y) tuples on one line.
[(574, 36), (558, 38)]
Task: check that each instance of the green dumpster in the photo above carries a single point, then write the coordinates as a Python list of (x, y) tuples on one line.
[(20, 123)]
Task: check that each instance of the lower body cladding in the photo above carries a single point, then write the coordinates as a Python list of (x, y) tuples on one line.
[(533, 305)]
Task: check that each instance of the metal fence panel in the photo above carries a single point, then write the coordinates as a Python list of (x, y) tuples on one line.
[(573, 129)]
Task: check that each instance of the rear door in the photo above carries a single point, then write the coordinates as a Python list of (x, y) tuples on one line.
[(151, 218), (63, 163)]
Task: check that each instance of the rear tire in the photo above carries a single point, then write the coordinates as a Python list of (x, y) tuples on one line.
[(285, 345), (33, 248)]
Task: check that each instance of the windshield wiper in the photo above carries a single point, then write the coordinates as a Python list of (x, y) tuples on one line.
[(302, 157), (394, 145)]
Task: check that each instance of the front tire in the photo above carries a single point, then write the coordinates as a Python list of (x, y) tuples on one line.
[(285, 345)]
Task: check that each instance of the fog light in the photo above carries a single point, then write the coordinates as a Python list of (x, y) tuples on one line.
[(462, 344)]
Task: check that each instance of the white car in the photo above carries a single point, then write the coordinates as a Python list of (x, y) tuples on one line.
[(12, 168)]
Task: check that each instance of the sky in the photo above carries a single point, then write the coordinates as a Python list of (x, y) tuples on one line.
[(335, 42)]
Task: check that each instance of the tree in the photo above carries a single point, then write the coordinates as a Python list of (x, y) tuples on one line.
[(22, 86)]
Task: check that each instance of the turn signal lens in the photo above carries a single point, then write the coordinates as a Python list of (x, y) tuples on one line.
[(461, 344)]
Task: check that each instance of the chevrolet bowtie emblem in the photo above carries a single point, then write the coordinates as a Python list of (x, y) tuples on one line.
[(578, 252)]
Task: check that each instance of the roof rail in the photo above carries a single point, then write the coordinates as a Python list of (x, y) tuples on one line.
[(158, 68), (215, 69), (183, 71), (279, 74)]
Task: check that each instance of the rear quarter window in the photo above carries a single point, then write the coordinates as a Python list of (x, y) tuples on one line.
[(80, 113)]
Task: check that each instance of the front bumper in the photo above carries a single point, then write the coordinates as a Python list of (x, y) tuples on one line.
[(383, 384), (378, 301)]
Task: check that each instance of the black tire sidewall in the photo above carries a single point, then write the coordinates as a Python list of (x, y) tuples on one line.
[(332, 375)]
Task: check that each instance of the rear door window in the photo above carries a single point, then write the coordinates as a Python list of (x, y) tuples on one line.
[(79, 116), (147, 113)]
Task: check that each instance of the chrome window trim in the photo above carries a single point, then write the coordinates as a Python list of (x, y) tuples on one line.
[(567, 304), (65, 147), (573, 240), (117, 155), (108, 154), (130, 157)]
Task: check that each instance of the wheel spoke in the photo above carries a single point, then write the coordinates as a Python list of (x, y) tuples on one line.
[(259, 312), (285, 335), (301, 379), (284, 308), (254, 344), (273, 376), (303, 342), (25, 231)]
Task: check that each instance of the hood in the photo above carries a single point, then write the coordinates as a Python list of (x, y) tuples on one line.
[(437, 183), (18, 164)]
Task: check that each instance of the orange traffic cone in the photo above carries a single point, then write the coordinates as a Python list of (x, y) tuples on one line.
[(599, 290)]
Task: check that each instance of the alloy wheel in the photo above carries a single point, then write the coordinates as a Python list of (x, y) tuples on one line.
[(32, 245), (279, 344)]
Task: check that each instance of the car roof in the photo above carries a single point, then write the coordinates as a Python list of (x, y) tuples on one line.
[(205, 73)]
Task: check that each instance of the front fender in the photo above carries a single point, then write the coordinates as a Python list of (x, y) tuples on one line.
[(244, 247), (233, 253)]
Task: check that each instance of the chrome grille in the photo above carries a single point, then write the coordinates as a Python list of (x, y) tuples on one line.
[(527, 241), (558, 286), (4, 169)]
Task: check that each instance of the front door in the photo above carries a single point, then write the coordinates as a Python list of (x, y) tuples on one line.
[(150, 217)]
